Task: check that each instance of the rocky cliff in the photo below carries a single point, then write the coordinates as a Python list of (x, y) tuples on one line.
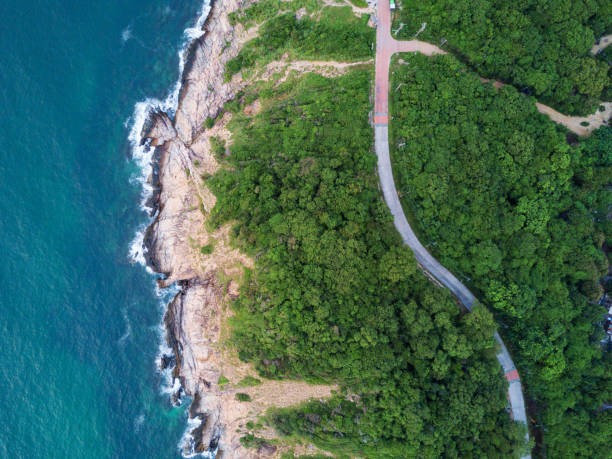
[(203, 262), (175, 238)]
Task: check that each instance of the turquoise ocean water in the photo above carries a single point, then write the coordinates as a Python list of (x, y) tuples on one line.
[(80, 323)]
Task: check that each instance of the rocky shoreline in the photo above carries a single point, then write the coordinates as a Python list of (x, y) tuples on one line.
[(203, 262), (173, 241)]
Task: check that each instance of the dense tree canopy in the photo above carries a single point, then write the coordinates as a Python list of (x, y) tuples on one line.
[(336, 296), (540, 46), (519, 210), (606, 56)]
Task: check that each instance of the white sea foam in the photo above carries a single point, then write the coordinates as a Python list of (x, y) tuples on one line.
[(142, 152), (138, 422), (169, 384), (126, 34), (187, 442), (128, 326), (138, 249), (142, 155)]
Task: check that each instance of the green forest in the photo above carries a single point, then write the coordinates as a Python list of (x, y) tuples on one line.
[(518, 209), (539, 46), (513, 204), (335, 296)]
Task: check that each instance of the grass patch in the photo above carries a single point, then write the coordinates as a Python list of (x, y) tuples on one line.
[(206, 249), (222, 382), (242, 397), (249, 381), (251, 441), (210, 122), (217, 146)]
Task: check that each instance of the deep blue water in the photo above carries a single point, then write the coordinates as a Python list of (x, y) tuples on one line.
[(79, 330)]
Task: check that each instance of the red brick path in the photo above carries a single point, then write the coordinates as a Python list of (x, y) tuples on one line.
[(512, 375), (386, 46)]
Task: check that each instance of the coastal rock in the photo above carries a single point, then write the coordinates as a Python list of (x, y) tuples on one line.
[(159, 129), (178, 217), (266, 449), (175, 237), (192, 328), (204, 90), (175, 243)]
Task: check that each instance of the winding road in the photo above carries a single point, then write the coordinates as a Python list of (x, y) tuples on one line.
[(386, 46)]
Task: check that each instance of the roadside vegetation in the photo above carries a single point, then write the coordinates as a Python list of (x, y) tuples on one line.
[(335, 296), (539, 46), (606, 56), (519, 209)]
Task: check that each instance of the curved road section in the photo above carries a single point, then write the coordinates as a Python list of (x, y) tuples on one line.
[(386, 46)]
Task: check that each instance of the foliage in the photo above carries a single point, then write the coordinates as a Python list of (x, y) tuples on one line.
[(251, 441), (336, 295), (206, 249), (209, 123), (242, 397), (335, 33), (217, 146), (222, 381), (541, 46), (263, 10), (316, 456), (248, 381), (505, 202)]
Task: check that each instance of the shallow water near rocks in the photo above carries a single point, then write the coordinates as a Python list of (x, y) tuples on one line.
[(80, 323)]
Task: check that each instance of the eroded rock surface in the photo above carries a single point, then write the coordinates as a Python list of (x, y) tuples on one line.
[(175, 238), (208, 278)]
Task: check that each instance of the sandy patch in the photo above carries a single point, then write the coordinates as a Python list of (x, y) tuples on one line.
[(573, 123), (603, 43)]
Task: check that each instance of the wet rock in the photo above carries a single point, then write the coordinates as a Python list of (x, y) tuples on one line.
[(160, 129), (177, 397), (167, 361), (192, 317)]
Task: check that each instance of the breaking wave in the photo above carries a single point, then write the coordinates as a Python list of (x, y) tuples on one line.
[(142, 154)]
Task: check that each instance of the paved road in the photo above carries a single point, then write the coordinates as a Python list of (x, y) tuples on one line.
[(386, 46)]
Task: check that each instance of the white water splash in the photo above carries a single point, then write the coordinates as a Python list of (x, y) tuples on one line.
[(187, 442), (128, 326), (138, 422), (169, 385), (142, 152), (126, 34), (138, 250), (142, 155)]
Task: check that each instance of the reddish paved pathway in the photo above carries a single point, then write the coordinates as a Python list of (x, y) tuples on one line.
[(386, 46)]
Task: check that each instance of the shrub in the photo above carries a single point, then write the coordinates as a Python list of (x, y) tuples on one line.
[(210, 122), (217, 146), (242, 397), (248, 381), (206, 249), (251, 441)]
